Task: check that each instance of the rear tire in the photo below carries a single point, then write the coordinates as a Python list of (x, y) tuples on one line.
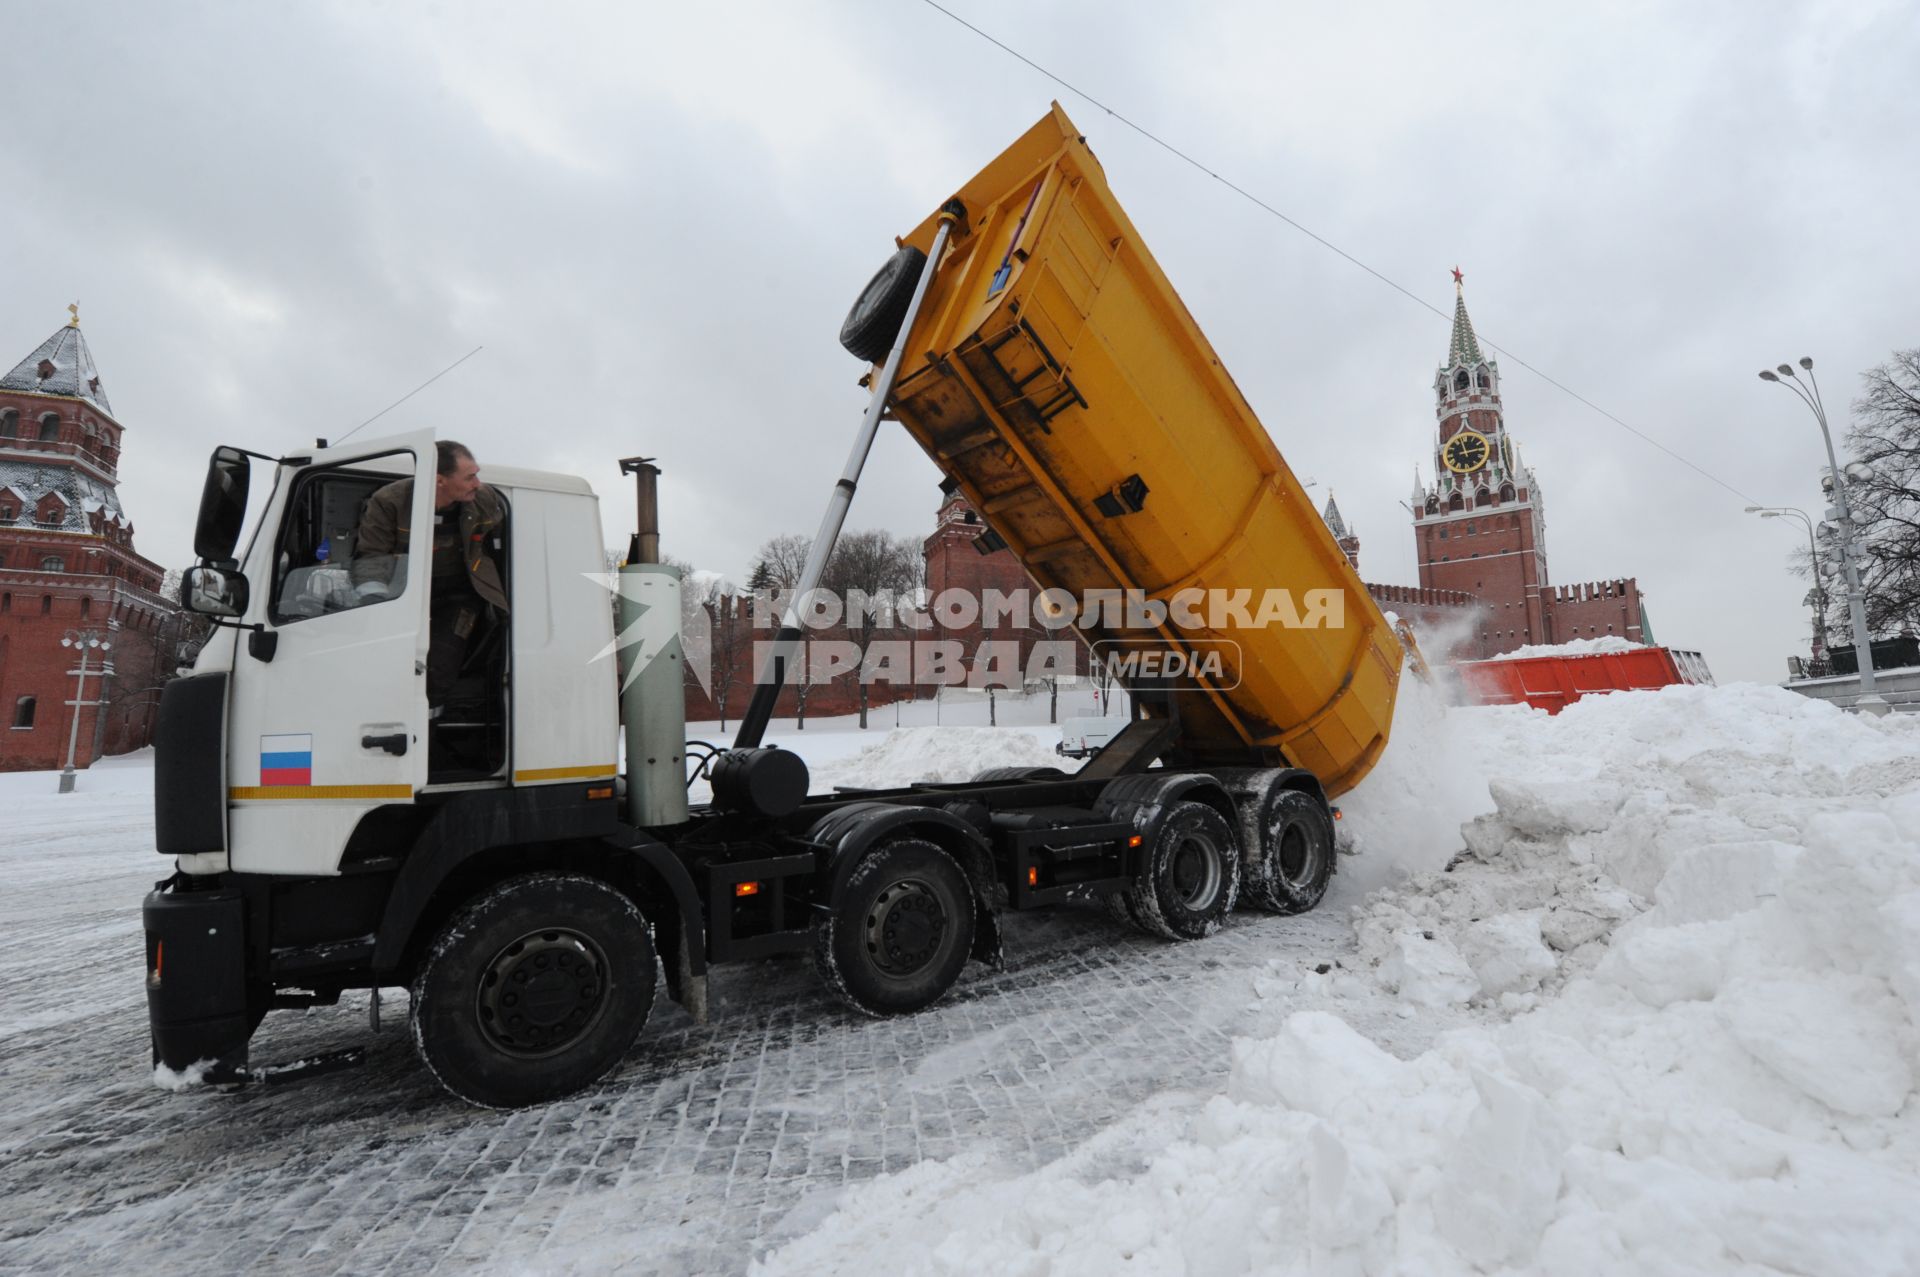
[(1191, 877), (533, 990), (1294, 860), (874, 321), (901, 932)]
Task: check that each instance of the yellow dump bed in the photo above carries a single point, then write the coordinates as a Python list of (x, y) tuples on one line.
[(1055, 375)]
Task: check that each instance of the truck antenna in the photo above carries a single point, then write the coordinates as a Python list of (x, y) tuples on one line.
[(410, 394)]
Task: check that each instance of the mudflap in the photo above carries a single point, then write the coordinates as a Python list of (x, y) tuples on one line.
[(986, 934)]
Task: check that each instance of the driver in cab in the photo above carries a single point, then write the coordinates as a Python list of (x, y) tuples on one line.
[(468, 519)]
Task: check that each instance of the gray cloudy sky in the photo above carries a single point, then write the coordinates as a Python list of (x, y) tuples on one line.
[(278, 219)]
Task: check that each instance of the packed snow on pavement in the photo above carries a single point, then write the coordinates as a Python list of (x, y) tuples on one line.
[(1692, 917), (1629, 989)]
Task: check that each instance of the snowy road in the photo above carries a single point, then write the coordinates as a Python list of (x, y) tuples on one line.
[(1660, 1016), (709, 1146)]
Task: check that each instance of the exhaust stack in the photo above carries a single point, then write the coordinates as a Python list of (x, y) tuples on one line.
[(653, 706)]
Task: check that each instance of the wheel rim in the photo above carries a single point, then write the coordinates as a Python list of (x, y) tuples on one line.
[(542, 993), (1296, 855), (1196, 871), (906, 927)]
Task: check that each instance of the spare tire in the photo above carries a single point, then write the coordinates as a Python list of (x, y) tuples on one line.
[(880, 309)]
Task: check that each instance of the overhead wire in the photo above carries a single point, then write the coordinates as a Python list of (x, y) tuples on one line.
[(1328, 244)]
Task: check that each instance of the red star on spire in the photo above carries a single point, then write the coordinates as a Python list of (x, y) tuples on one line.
[(1456, 277)]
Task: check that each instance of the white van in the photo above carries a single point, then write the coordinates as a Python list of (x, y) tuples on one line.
[(1082, 736)]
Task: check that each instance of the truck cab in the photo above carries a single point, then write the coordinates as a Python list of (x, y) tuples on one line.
[(323, 659)]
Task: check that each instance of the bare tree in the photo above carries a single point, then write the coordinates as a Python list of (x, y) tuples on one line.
[(780, 561), (776, 568), (729, 631), (1885, 437), (875, 570)]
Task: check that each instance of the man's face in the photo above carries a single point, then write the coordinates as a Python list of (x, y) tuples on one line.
[(458, 486)]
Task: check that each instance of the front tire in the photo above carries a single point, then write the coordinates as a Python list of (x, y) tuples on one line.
[(901, 932), (1191, 877), (534, 989)]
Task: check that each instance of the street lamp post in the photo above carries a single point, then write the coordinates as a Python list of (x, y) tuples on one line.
[(1870, 700), (86, 642), (1819, 581)]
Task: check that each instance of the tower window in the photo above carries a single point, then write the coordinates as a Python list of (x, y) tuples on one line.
[(1484, 378), (1470, 529), (45, 370), (53, 563), (1443, 534), (49, 428), (23, 713), (9, 423), (1460, 380)]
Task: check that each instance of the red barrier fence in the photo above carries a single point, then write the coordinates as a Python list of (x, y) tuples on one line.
[(1554, 682)]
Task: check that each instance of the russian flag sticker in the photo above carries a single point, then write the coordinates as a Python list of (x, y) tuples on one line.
[(286, 760)]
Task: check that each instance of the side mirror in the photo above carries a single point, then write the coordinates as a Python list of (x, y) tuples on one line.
[(223, 505), (214, 591)]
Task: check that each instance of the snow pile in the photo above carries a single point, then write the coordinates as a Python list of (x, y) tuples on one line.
[(1701, 909), (910, 754), (1405, 817), (1573, 647), (187, 1079), (881, 759)]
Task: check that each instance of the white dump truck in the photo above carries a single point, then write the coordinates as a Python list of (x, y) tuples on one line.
[(328, 832)]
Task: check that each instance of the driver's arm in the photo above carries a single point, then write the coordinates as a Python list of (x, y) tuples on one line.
[(378, 541)]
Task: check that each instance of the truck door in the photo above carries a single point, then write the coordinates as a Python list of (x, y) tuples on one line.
[(328, 709)]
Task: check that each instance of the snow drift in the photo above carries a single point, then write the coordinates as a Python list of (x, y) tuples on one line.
[(1686, 927)]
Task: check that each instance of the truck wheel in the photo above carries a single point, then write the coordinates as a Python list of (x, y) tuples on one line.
[(1191, 877), (878, 312), (902, 931), (533, 990), (1295, 858)]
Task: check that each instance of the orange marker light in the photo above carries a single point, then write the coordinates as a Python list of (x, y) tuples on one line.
[(159, 957), (746, 889), (1336, 813), (1033, 875), (1134, 841), (602, 791)]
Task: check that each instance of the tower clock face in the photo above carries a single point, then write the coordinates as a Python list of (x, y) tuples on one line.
[(1466, 451)]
